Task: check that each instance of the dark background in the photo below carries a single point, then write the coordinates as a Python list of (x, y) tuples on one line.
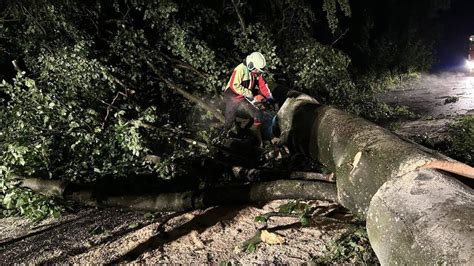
[(458, 25)]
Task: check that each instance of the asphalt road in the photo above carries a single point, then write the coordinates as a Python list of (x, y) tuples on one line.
[(427, 96)]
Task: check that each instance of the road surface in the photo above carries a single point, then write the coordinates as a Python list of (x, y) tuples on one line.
[(428, 95)]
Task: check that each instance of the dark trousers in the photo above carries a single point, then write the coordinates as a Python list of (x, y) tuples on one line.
[(236, 106)]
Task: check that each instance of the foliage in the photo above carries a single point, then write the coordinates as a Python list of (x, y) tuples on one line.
[(258, 36), (330, 7), (462, 146), (70, 117), (290, 20), (458, 145), (293, 208), (322, 74), (48, 136), (251, 244), (352, 247), (17, 201), (75, 90), (86, 104), (325, 75), (92, 95)]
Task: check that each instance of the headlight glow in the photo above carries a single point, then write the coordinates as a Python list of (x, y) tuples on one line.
[(470, 64)]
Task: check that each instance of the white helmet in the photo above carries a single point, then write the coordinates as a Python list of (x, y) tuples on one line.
[(255, 60)]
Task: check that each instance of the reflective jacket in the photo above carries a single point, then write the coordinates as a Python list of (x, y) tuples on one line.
[(242, 83)]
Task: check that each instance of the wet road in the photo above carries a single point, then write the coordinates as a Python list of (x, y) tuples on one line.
[(427, 96)]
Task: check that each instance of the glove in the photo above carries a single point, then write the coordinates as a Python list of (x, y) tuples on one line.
[(270, 100), (249, 98)]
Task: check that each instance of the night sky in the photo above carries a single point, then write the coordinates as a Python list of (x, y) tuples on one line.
[(458, 22)]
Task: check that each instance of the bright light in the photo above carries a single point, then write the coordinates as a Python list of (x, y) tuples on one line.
[(470, 64)]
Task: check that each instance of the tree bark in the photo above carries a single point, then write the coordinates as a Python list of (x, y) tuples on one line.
[(258, 192), (46, 187), (199, 199), (267, 174), (367, 158), (422, 217)]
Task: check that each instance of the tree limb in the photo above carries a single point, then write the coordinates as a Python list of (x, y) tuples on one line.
[(201, 103), (267, 174), (16, 66), (340, 37), (201, 145), (241, 19), (198, 199), (46, 187), (180, 64), (109, 107), (125, 94), (257, 192)]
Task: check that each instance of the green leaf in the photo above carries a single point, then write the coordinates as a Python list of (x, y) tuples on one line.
[(56, 213), (133, 225), (149, 216), (287, 208), (251, 248), (305, 220), (8, 201), (261, 218), (29, 83)]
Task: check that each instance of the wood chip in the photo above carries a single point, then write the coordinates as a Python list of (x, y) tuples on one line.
[(271, 238)]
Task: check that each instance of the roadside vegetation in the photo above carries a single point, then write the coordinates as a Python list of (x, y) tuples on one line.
[(351, 247), (462, 147)]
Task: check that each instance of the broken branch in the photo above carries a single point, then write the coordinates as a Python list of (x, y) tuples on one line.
[(217, 114), (241, 172), (241, 19), (199, 199)]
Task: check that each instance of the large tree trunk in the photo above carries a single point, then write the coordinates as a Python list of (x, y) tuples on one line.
[(369, 160), (422, 217)]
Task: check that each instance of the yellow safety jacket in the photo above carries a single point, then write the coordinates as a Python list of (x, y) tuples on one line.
[(241, 82)]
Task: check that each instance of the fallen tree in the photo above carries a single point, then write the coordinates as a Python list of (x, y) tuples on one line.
[(191, 200), (414, 215)]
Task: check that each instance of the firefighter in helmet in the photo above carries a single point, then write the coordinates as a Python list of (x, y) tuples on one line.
[(244, 85)]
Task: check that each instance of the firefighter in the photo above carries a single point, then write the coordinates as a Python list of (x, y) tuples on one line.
[(245, 83)]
